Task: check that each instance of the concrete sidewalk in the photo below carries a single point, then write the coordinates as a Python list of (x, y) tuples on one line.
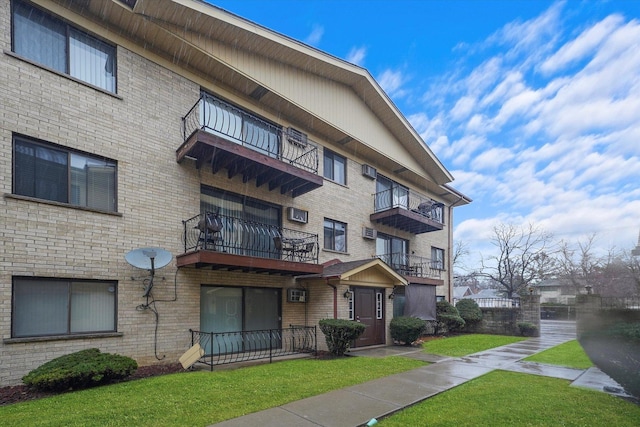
[(356, 405)]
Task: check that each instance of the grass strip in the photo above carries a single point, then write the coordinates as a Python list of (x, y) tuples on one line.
[(462, 345), (569, 354)]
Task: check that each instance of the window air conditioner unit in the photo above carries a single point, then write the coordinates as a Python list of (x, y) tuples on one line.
[(296, 295), (369, 233), (369, 171), (297, 215), (296, 137)]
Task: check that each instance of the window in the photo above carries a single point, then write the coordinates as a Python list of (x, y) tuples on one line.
[(335, 235), (437, 258), (53, 43), (44, 307), (390, 194), (53, 173), (393, 251), (335, 167)]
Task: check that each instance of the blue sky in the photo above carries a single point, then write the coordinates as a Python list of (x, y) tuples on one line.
[(533, 106)]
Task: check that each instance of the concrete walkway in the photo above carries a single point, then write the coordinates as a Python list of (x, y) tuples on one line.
[(358, 404)]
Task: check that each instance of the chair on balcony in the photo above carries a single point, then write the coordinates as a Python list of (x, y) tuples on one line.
[(425, 208), (210, 226), (305, 251), (284, 247)]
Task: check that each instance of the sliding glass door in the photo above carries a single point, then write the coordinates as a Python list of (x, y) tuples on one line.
[(244, 313)]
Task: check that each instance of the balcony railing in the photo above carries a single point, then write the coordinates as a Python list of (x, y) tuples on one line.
[(412, 265), (239, 346), (407, 210), (236, 236), (411, 201), (220, 118)]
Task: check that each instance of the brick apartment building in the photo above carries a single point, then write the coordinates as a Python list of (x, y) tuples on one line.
[(282, 181)]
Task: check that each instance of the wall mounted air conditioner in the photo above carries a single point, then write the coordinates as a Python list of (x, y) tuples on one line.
[(297, 215), (369, 171), (296, 295), (294, 136), (369, 233)]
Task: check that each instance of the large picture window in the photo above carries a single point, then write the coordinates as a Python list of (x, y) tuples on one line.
[(335, 167), (45, 307), (335, 235), (53, 43), (53, 173)]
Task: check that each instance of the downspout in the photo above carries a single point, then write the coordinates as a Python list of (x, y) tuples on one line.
[(449, 263), (335, 299)]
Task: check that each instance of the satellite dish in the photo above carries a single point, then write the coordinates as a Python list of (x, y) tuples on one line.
[(148, 258)]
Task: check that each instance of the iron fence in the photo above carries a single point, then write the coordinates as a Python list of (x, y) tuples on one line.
[(494, 302), (240, 346), (220, 118), (629, 303), (237, 236)]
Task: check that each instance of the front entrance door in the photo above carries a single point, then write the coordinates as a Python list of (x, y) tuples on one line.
[(368, 307)]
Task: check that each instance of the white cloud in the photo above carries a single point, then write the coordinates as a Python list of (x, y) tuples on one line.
[(582, 46), (391, 82), (315, 36), (356, 55), (492, 159)]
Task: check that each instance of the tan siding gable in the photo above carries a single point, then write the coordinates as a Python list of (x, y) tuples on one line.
[(324, 98)]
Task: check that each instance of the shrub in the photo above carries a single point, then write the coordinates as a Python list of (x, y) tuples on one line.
[(448, 318), (83, 369), (528, 329), (630, 331), (406, 329), (339, 333), (469, 311)]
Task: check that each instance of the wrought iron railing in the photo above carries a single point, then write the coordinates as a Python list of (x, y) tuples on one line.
[(412, 265), (399, 197), (237, 236), (239, 346), (629, 303), (218, 117)]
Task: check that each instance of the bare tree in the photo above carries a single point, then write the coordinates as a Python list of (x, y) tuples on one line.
[(579, 267), (460, 250), (521, 259)]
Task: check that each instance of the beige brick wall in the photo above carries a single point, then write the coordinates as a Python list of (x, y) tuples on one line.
[(140, 129)]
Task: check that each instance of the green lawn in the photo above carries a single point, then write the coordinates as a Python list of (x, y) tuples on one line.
[(569, 354), (503, 398), (201, 398), (507, 398), (462, 345)]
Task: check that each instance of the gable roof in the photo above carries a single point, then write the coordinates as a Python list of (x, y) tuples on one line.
[(345, 271), (188, 32)]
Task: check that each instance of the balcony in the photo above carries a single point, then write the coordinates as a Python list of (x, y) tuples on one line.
[(221, 242), (415, 269), (408, 211), (224, 137)]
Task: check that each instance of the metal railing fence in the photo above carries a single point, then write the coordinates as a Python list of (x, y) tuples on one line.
[(404, 198), (220, 118), (237, 236), (412, 265), (239, 346)]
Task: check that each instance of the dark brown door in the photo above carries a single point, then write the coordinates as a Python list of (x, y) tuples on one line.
[(368, 306)]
